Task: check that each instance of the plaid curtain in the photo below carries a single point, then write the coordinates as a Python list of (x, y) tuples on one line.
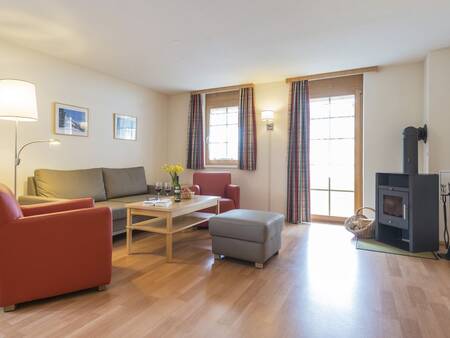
[(298, 196), (196, 155), (247, 130)]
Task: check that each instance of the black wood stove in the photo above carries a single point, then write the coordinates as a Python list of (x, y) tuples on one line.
[(407, 204)]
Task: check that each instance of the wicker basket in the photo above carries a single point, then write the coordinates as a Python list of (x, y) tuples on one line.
[(360, 225), (186, 193)]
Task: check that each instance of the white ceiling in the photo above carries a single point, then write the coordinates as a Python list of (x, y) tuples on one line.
[(176, 45)]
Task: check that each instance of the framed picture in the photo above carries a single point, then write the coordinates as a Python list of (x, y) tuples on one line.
[(125, 127), (71, 120)]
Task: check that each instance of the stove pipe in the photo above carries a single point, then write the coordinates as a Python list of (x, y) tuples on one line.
[(411, 136)]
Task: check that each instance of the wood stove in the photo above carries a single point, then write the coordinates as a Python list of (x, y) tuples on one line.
[(407, 211), (407, 204)]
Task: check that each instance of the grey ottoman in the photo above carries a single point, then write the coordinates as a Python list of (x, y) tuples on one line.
[(250, 235)]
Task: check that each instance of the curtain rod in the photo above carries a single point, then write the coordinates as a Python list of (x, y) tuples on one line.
[(222, 89), (331, 75)]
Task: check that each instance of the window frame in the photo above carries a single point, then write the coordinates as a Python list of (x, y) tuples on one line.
[(348, 85), (226, 104)]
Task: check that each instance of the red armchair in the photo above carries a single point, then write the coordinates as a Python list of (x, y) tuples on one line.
[(217, 184), (52, 248)]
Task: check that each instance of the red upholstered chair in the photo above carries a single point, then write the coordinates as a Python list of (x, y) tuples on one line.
[(217, 184), (52, 248)]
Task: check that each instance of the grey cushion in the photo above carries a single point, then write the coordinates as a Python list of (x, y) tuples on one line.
[(117, 208), (246, 250), (248, 225), (124, 182), (70, 183), (132, 199), (118, 205)]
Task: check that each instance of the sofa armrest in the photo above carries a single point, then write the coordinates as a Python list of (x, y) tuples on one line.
[(48, 208), (233, 192), (195, 188), (47, 255), (31, 199)]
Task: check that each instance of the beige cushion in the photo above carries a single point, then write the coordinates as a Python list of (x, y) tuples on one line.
[(31, 186), (124, 182), (70, 183)]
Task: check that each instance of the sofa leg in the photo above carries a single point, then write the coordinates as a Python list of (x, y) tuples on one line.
[(101, 288), (217, 257), (9, 308), (259, 265)]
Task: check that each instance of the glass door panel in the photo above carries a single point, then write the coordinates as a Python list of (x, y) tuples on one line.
[(332, 158)]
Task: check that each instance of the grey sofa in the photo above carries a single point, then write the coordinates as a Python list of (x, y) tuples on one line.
[(108, 187)]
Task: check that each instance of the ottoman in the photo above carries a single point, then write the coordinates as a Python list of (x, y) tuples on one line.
[(250, 235)]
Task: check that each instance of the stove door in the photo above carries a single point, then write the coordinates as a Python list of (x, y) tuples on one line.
[(393, 207)]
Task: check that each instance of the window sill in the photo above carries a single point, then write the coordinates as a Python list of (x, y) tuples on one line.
[(221, 166)]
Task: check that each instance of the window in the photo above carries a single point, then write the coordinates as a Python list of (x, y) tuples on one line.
[(222, 128), (335, 159)]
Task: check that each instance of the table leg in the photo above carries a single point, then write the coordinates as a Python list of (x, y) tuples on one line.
[(169, 239), (218, 207), (129, 231), (169, 247)]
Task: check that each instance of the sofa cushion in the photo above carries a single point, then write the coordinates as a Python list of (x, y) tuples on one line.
[(70, 183), (118, 205), (132, 199), (248, 225), (118, 209), (124, 181)]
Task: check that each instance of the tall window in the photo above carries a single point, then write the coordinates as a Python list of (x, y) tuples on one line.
[(222, 128), (335, 150)]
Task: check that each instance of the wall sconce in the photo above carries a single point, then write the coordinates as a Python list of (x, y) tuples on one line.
[(267, 116)]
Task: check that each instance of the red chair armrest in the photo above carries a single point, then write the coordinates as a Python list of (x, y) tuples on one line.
[(48, 208), (195, 188), (233, 192)]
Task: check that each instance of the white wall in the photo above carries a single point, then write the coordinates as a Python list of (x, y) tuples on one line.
[(437, 110), (393, 100), (58, 81), (437, 113), (395, 97), (254, 185)]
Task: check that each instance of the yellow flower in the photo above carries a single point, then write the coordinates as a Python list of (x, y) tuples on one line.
[(173, 168)]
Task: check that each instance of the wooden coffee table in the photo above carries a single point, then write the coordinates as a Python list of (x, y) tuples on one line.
[(168, 221)]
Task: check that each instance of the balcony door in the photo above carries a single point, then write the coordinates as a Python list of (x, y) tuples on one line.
[(336, 148)]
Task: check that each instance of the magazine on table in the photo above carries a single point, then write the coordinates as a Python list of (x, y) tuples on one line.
[(162, 202)]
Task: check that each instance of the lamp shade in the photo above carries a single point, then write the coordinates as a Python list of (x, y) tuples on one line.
[(18, 100), (267, 115)]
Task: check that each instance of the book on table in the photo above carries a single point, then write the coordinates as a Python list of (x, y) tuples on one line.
[(163, 203)]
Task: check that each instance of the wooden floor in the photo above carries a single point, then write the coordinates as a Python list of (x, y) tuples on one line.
[(318, 286)]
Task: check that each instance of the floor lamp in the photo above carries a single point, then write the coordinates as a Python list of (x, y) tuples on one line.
[(267, 117), (18, 103)]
